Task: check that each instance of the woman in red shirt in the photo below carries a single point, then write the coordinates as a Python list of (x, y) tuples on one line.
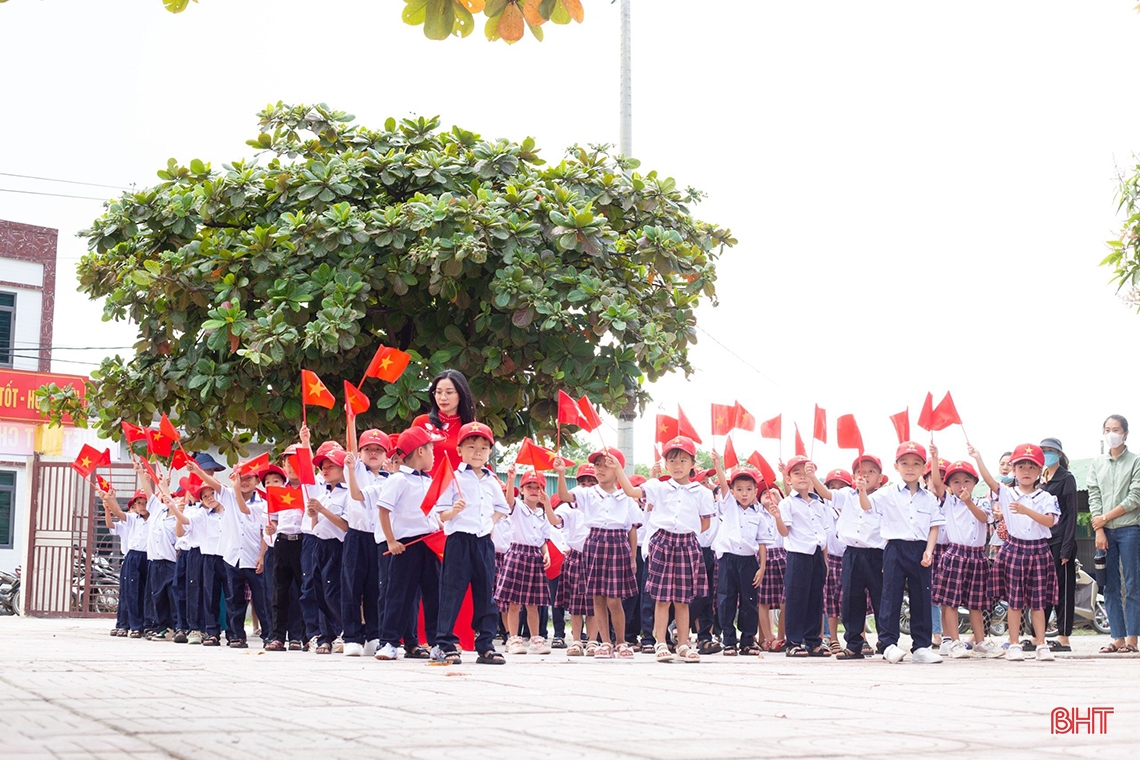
[(452, 407)]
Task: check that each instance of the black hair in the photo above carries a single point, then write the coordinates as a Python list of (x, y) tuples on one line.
[(1119, 418), (466, 407), (1005, 454)]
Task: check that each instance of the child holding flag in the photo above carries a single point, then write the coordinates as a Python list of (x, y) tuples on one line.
[(360, 565), (523, 580), (741, 554)]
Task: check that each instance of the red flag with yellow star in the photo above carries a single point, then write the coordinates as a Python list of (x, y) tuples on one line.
[(283, 497), (388, 364), (723, 419), (742, 420), (158, 443), (89, 458), (314, 392)]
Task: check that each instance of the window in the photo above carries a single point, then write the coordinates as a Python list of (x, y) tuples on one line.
[(7, 499), (7, 325)]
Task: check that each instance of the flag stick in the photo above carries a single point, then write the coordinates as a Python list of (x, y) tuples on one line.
[(304, 414), (409, 543), (559, 444)]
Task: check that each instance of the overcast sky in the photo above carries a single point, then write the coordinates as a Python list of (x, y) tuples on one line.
[(921, 191)]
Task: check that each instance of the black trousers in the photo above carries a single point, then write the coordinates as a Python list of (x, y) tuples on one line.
[(702, 612), (803, 592), (468, 560), (160, 581), (416, 571), (902, 568), (862, 575), (1066, 591), (736, 598), (360, 612), (287, 590)]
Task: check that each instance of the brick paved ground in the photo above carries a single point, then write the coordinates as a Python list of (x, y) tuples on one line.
[(69, 690)]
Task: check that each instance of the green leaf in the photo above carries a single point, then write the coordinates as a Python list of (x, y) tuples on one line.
[(141, 278), (494, 8), (440, 19), (464, 21), (197, 166), (414, 13), (176, 6)]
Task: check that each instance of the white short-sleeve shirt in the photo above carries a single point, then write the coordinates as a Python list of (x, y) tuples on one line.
[(906, 516), (401, 495), (807, 522), (1023, 526), (677, 508)]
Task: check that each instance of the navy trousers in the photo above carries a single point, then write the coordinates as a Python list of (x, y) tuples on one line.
[(416, 571), (160, 581), (360, 587), (468, 560), (736, 598), (181, 590), (803, 591), (268, 563), (215, 587), (862, 575), (702, 612), (902, 567), (322, 617), (239, 578), (195, 599), (133, 589), (557, 614), (287, 579), (411, 634), (310, 609), (121, 619)]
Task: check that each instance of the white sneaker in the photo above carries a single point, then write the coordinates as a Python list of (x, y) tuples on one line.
[(516, 645), (1045, 654), (314, 643), (370, 647), (352, 649), (959, 651), (985, 648), (946, 647), (538, 645), (1014, 653), (338, 645), (894, 654), (386, 652), (925, 656)]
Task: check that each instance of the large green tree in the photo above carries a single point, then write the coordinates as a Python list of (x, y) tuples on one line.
[(469, 253), (1124, 256)]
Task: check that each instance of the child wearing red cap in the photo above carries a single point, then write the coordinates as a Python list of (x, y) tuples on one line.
[(801, 518), (325, 508), (833, 583), (1024, 574), (523, 580), (130, 526), (469, 509), (571, 594), (679, 509), (943, 644), (770, 593), (963, 580), (909, 520), (610, 549)]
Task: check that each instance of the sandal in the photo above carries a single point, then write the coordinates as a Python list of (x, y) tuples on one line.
[(1056, 646), (709, 647), (591, 648), (604, 652), (661, 651), (452, 658), (752, 651), (835, 647), (1128, 649), (647, 649), (819, 651), (800, 651), (275, 646), (867, 650), (134, 635), (624, 652), (1112, 647), (294, 646), (847, 654), (777, 645), (729, 651), (324, 649), (490, 657), (575, 649), (686, 653), (211, 641), (238, 644), (418, 653)]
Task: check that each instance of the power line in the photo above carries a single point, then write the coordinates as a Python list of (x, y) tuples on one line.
[(748, 364), (18, 355), (53, 195), (70, 348), (64, 181)]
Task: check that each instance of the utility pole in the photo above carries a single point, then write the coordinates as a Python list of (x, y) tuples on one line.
[(625, 147)]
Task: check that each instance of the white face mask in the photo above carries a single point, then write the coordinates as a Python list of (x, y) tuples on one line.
[(1112, 440)]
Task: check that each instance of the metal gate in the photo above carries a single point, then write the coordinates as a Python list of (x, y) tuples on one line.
[(73, 560)]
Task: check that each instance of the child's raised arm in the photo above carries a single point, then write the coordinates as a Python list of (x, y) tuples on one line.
[(816, 483), (350, 471), (563, 492), (982, 469), (632, 491), (936, 485), (235, 478), (206, 477)]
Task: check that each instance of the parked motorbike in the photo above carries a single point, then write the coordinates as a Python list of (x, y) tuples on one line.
[(103, 587), (10, 593)]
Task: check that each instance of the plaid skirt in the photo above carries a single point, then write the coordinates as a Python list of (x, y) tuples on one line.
[(523, 581), (771, 590), (936, 557), (833, 586), (675, 568), (963, 578), (1024, 574), (571, 595), (607, 564)]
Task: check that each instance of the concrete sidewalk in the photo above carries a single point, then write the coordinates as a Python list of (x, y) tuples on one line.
[(69, 690)]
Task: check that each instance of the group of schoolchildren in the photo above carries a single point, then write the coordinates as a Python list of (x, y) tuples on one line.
[(644, 561)]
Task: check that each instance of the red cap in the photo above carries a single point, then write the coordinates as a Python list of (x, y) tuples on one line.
[(965, 467), (795, 462), (700, 475), (637, 480), (910, 447), (942, 465), (336, 456), (1028, 452), (139, 494), (585, 471), (476, 430), (840, 475), (593, 458), (393, 439), (325, 448), (374, 438), (411, 439), (271, 469), (741, 472), (680, 443), (866, 458), (291, 450), (554, 500), (533, 477)]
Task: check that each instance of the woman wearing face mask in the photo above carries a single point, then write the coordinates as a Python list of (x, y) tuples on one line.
[(1058, 481), (1114, 499)]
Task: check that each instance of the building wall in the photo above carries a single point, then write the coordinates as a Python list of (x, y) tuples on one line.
[(27, 268)]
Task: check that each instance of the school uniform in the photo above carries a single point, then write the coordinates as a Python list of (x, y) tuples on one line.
[(606, 554), (646, 606), (808, 524), (703, 612), (771, 590), (676, 571), (501, 540), (132, 533), (572, 595), (160, 556), (360, 565), (557, 614), (523, 580), (288, 621), (963, 576), (241, 546), (323, 613), (469, 557), (905, 522), (742, 531), (416, 570), (861, 574), (184, 545), (206, 529), (1023, 574)]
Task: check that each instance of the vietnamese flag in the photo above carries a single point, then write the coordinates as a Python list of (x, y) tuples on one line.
[(281, 498), (252, 466), (741, 419), (168, 430), (666, 428), (771, 428), (303, 466), (89, 458), (436, 541), (765, 469), (133, 433), (847, 435), (945, 414), (179, 460), (102, 483), (388, 364), (355, 402), (801, 450), (901, 421), (150, 471), (730, 459), (538, 457), (568, 411), (588, 417), (314, 392), (723, 419), (684, 427), (556, 560), (819, 429), (926, 416), (158, 443), (442, 476)]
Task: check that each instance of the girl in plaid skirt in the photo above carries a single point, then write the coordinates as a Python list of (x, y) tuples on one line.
[(609, 564), (522, 582), (963, 577), (679, 509), (501, 538), (1024, 574), (571, 595), (770, 593)]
